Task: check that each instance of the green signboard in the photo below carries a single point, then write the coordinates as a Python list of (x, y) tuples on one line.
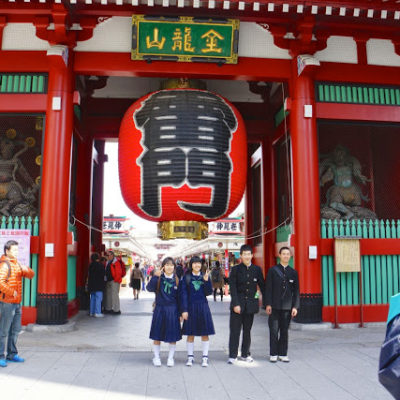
[(185, 39)]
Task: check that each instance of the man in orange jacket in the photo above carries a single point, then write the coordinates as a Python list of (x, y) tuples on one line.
[(11, 273)]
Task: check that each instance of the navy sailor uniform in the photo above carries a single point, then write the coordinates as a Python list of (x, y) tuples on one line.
[(194, 301), (165, 325)]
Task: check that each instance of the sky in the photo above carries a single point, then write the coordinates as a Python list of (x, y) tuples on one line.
[(113, 201)]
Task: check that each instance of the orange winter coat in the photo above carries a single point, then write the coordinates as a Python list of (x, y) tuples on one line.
[(9, 284)]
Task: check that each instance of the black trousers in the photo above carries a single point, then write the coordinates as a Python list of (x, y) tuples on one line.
[(221, 292), (236, 323), (278, 323)]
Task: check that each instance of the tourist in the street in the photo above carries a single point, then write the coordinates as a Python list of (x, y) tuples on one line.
[(165, 325), (217, 279), (135, 280), (197, 319), (243, 281), (11, 274), (282, 301), (114, 279), (96, 285)]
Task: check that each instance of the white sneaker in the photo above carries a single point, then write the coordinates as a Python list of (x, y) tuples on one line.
[(284, 358), (205, 362), (273, 359), (231, 360), (189, 361), (98, 315), (170, 362), (156, 362), (248, 359)]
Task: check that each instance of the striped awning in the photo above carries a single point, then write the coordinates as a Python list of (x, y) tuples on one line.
[(371, 9)]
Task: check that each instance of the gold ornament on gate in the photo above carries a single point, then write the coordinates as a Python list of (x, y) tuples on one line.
[(39, 124), (11, 133), (30, 141), (38, 160), (195, 230)]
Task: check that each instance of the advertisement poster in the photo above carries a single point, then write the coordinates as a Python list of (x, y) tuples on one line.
[(23, 237)]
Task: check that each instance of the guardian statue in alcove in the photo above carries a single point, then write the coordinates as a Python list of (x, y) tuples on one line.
[(344, 197)]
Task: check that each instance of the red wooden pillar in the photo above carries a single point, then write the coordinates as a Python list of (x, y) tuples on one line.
[(269, 202), (98, 188), (54, 203), (306, 198), (248, 205), (83, 211)]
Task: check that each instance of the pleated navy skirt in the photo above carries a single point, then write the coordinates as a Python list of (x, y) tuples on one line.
[(165, 325), (199, 322)]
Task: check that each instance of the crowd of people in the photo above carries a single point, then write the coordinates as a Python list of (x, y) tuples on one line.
[(180, 307), (184, 300), (181, 296)]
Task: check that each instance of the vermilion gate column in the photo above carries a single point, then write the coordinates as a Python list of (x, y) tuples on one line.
[(54, 204), (306, 197)]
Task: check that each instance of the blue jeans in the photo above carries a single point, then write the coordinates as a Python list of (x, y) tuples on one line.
[(95, 302), (10, 326)]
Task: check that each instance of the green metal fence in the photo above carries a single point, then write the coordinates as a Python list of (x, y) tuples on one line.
[(29, 286), (330, 92), (380, 273), (23, 83)]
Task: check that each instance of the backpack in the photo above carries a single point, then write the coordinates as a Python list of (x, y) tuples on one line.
[(123, 267), (9, 273), (215, 275)]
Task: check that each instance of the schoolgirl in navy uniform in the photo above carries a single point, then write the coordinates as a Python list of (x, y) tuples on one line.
[(165, 325), (196, 312)]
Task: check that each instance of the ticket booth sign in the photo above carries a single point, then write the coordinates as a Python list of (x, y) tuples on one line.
[(185, 39), (347, 255)]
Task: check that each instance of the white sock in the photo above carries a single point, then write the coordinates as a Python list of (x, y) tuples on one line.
[(190, 348), (156, 350), (172, 348), (205, 346)]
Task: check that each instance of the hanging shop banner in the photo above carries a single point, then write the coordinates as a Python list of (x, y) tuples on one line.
[(23, 238), (186, 39)]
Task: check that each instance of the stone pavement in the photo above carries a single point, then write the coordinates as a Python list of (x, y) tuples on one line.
[(110, 358)]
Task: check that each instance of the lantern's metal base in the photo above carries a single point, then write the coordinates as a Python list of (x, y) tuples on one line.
[(182, 230)]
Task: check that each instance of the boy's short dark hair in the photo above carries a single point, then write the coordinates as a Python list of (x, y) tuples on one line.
[(95, 257), (283, 248), (246, 247), (137, 265), (8, 245)]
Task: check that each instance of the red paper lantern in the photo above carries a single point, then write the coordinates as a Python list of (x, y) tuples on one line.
[(182, 156)]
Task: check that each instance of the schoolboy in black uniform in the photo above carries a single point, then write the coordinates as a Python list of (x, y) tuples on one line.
[(282, 300), (243, 281)]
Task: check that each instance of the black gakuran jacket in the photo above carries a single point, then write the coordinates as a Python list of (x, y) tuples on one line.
[(243, 282), (282, 288)]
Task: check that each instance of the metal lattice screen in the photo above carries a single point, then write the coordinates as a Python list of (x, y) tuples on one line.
[(359, 167), (20, 163)]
